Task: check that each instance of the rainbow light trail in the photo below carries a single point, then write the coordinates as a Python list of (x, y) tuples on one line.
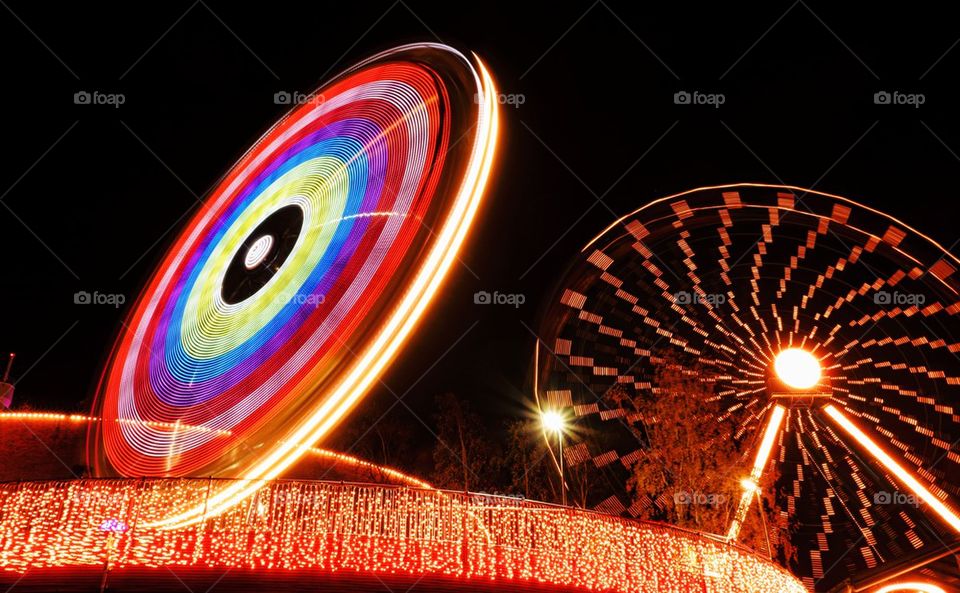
[(308, 268)]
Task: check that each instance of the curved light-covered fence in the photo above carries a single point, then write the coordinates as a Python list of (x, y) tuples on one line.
[(336, 527)]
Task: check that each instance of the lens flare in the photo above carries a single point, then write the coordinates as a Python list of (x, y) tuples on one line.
[(552, 421)]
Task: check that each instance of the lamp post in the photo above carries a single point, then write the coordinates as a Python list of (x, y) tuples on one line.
[(553, 421), (749, 485)]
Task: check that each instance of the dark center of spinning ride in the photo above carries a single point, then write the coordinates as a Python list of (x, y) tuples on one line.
[(262, 254)]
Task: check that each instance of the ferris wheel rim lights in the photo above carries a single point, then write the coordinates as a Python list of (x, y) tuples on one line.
[(795, 188)]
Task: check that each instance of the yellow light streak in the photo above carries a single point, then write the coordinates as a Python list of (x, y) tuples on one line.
[(763, 455), (945, 512)]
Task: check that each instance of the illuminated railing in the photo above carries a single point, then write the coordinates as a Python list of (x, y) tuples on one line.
[(291, 525)]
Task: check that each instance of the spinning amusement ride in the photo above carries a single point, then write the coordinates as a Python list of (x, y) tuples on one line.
[(827, 332)]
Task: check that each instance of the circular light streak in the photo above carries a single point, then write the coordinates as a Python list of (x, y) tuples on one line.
[(913, 587), (258, 252), (797, 368), (289, 293)]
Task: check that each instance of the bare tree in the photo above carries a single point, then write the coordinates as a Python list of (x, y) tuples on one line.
[(692, 467), (528, 463), (463, 457)]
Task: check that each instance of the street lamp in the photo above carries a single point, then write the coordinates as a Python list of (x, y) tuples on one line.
[(553, 421), (750, 486)]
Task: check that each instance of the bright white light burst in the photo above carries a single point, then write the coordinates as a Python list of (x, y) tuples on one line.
[(552, 421), (797, 368)]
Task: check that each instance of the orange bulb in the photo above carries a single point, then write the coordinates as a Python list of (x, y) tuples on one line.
[(797, 368)]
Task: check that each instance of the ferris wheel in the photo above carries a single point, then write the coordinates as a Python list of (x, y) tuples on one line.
[(827, 332)]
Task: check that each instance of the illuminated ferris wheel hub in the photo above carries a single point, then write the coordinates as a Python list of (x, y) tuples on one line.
[(797, 379), (797, 368)]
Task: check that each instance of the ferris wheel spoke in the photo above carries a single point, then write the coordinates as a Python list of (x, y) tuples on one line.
[(936, 308), (919, 342), (912, 423), (750, 485), (903, 476), (672, 298), (833, 493), (704, 297)]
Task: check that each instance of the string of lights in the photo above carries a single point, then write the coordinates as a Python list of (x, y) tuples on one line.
[(371, 469), (292, 525)]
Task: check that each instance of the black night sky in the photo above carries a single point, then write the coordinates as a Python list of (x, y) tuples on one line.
[(91, 195)]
